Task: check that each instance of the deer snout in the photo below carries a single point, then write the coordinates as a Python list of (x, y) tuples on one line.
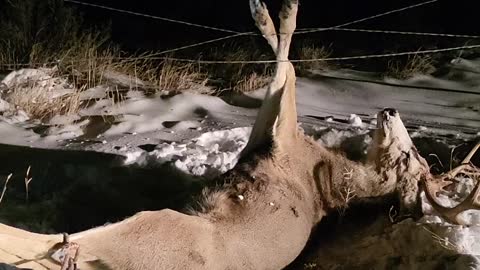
[(389, 112)]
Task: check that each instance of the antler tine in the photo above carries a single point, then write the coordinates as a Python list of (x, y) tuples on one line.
[(451, 213), (264, 23), (471, 154), (465, 165), (432, 186)]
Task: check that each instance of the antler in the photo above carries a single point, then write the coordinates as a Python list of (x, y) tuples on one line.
[(435, 184)]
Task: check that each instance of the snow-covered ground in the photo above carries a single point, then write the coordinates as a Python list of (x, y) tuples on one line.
[(203, 135)]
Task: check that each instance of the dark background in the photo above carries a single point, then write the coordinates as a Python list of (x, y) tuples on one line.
[(134, 32)]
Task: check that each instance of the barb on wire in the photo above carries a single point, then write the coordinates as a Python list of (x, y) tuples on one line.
[(312, 30), (152, 16)]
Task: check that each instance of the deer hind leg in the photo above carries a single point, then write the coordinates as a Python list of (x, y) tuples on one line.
[(265, 126)]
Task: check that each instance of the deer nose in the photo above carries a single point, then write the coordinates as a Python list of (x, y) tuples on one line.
[(390, 111)]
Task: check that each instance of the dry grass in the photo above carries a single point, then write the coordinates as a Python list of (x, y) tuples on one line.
[(39, 103), (164, 75), (31, 26), (310, 266), (84, 58), (239, 77), (444, 242), (5, 187), (84, 65), (307, 51), (179, 77), (250, 82), (413, 65)]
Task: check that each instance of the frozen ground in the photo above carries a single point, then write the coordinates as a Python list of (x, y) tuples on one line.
[(203, 135)]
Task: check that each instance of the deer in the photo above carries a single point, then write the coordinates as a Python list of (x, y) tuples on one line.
[(261, 217)]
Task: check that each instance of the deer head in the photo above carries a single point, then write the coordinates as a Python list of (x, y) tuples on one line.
[(397, 160)]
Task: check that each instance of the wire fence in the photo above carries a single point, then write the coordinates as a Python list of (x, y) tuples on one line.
[(236, 34), (243, 62)]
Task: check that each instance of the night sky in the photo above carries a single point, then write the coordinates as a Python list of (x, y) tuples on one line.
[(443, 16)]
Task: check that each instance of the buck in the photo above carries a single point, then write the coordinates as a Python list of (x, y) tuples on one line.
[(282, 187)]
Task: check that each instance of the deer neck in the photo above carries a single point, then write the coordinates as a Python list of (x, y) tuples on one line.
[(339, 180)]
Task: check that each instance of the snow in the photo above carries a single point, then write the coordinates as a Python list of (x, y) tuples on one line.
[(211, 154), (203, 135), (355, 120)]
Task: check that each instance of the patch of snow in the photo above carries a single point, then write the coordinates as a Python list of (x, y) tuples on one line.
[(43, 80), (4, 106), (11, 134), (25, 75), (98, 92), (355, 121), (210, 154), (14, 116)]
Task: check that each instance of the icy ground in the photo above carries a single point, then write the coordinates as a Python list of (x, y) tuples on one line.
[(203, 135)]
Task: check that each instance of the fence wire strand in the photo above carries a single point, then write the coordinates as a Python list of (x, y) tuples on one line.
[(236, 34), (312, 30), (153, 17)]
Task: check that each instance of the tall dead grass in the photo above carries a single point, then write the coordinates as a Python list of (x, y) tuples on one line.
[(310, 51), (164, 75), (41, 104), (413, 65), (239, 77)]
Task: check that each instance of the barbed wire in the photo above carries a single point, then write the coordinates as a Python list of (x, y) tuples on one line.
[(199, 44), (344, 58), (312, 30), (404, 33), (199, 61), (244, 34), (153, 17), (299, 31), (331, 28)]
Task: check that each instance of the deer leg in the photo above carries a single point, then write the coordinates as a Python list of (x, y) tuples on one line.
[(264, 127)]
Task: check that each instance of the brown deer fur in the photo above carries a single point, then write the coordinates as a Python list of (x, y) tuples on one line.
[(262, 219)]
